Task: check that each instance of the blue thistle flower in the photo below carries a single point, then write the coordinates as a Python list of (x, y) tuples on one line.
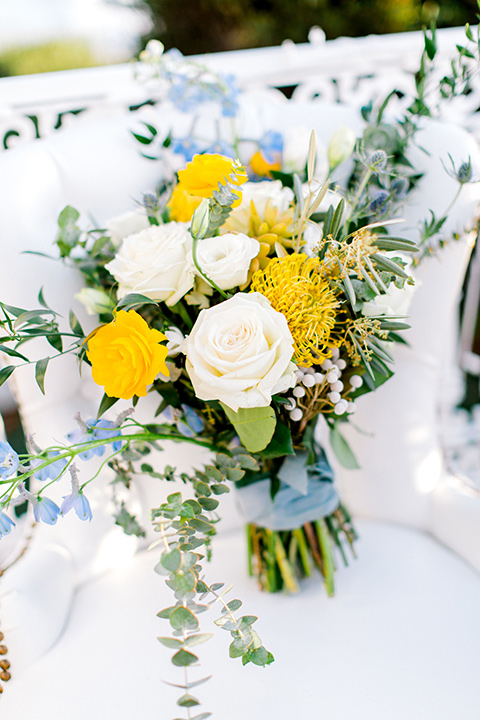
[(377, 160), (379, 203), (399, 187)]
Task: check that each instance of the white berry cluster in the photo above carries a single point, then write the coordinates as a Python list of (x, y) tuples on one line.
[(327, 383)]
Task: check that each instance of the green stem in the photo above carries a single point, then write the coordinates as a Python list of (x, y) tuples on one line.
[(303, 551), (285, 568), (326, 550), (200, 271)]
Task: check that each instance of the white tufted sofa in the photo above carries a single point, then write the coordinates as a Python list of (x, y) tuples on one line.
[(401, 638)]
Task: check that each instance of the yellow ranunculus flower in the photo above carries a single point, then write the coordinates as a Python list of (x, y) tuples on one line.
[(204, 172), (126, 355), (182, 205), (261, 167)]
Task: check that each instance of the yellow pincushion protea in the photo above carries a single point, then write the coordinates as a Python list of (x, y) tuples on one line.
[(203, 174), (126, 355), (294, 287), (274, 227), (182, 205)]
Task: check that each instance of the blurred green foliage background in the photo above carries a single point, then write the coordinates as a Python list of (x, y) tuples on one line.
[(198, 26)]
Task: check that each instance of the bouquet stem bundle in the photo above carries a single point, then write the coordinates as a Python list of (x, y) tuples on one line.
[(279, 558)]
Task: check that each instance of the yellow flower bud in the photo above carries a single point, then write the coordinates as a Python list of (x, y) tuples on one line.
[(341, 146), (261, 167), (182, 205), (126, 355)]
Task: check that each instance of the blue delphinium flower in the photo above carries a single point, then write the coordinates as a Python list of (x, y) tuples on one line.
[(45, 510), (189, 423), (76, 500), (94, 430), (230, 95), (52, 471), (6, 524), (187, 146), (194, 420), (271, 145), (9, 461), (220, 147)]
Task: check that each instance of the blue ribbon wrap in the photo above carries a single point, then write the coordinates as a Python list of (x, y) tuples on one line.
[(306, 494)]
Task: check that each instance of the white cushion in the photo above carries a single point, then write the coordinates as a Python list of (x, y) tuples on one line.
[(400, 640)]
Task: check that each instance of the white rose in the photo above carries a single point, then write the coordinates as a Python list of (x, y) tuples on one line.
[(127, 224), (296, 142), (239, 352), (395, 302), (261, 192), (154, 263), (226, 259)]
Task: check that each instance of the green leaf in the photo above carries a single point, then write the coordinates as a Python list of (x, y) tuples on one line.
[(12, 310), (171, 560), (342, 450), (41, 299), (170, 642), (208, 504), (197, 639), (40, 370), (201, 525), (12, 352), (134, 300), (55, 340), (188, 701), (183, 658), (75, 324), (255, 426), (105, 404), (219, 489), (258, 656), (68, 216), (247, 620), (389, 265), (234, 474), (183, 619), (280, 444), (5, 373)]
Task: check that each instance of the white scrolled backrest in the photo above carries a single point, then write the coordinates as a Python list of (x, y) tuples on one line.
[(97, 168)]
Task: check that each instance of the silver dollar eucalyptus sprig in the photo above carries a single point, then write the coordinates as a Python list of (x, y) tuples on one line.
[(184, 527)]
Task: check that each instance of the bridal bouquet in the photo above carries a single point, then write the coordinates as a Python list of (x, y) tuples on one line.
[(240, 305), (254, 303)]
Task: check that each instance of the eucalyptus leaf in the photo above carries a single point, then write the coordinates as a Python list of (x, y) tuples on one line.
[(183, 619), (255, 426), (183, 658), (170, 642), (198, 639)]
